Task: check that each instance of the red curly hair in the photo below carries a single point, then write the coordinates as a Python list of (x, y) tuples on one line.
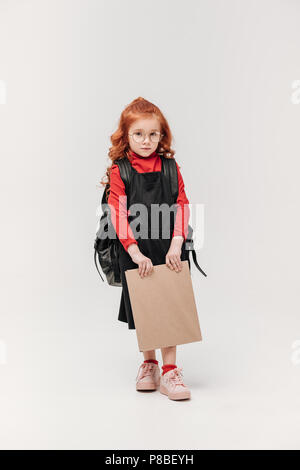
[(138, 108)]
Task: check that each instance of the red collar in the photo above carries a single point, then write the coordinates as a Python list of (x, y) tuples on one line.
[(132, 154)]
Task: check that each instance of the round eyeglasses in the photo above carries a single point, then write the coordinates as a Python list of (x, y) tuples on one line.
[(139, 136)]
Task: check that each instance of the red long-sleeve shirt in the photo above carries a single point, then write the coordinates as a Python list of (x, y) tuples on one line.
[(117, 189)]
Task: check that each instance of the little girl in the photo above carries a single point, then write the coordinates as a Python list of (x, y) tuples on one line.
[(144, 138)]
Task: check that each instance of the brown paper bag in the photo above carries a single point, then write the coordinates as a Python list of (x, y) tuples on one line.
[(163, 307)]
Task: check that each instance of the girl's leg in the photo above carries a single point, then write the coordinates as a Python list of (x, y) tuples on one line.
[(149, 355), (169, 355)]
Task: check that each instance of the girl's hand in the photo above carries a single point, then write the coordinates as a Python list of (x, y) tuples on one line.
[(173, 257), (144, 263)]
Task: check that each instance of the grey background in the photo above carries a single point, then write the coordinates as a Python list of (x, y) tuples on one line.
[(222, 73)]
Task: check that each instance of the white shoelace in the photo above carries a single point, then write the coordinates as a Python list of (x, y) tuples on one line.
[(175, 376), (147, 368)]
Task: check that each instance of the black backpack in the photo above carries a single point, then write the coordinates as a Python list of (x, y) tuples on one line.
[(106, 248)]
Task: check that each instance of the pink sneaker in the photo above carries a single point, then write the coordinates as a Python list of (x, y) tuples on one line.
[(148, 376), (171, 384)]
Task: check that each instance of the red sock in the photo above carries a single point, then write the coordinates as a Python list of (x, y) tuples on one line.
[(151, 360), (168, 367)]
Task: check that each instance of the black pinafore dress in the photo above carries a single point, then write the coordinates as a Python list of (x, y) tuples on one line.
[(147, 188)]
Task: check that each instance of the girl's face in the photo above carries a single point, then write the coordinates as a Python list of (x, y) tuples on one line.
[(144, 135)]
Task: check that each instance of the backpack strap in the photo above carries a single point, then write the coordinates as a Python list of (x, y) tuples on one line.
[(125, 171), (95, 259), (196, 262), (170, 170)]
